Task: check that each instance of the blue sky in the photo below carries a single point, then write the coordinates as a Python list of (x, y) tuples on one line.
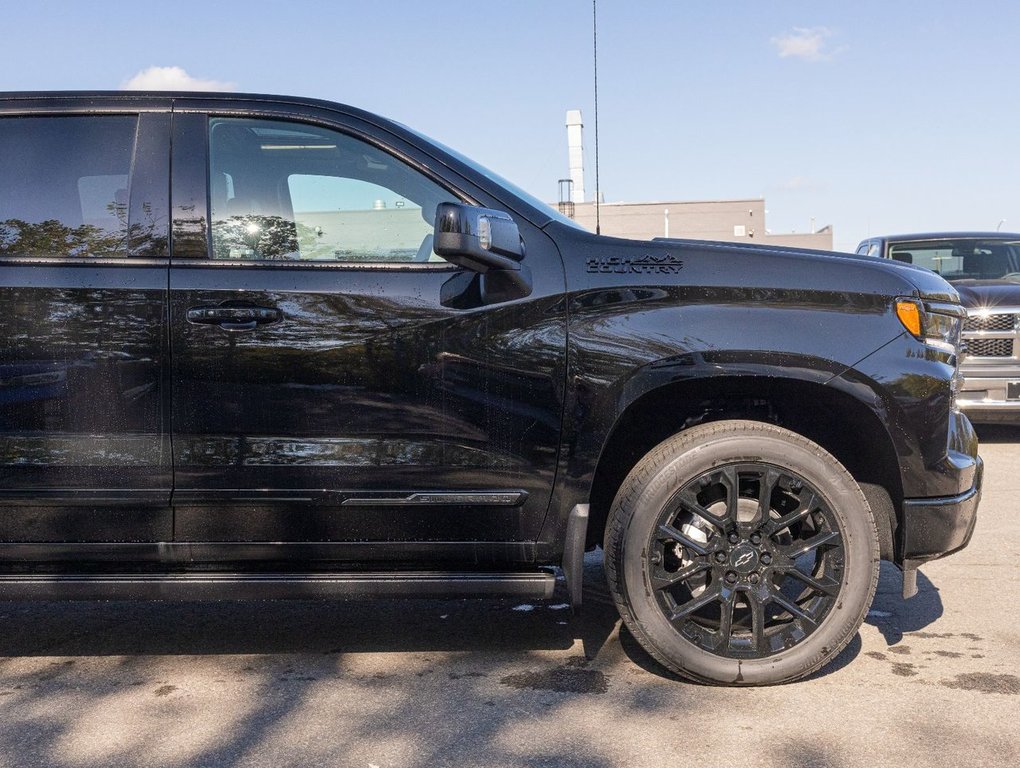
[(882, 116)]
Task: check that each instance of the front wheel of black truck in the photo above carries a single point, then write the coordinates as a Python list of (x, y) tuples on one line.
[(741, 553)]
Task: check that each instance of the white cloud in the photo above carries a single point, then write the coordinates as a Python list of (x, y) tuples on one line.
[(807, 43), (172, 79)]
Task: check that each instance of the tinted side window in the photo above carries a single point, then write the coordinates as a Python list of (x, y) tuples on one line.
[(64, 185), (286, 191), (868, 248)]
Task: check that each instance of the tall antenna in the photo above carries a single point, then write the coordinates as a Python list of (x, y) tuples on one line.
[(595, 58)]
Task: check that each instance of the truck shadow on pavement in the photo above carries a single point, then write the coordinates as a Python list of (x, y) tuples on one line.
[(279, 627), (890, 614), (140, 628), (997, 433)]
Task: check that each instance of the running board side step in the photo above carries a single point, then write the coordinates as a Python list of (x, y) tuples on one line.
[(276, 586)]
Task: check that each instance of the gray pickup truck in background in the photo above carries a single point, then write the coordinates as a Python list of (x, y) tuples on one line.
[(984, 267)]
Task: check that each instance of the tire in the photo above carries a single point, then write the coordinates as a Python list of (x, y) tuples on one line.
[(728, 588)]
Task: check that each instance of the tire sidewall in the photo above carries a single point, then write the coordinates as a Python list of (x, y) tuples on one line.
[(840, 493)]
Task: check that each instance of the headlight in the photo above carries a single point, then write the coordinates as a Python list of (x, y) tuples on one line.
[(940, 327), (937, 325)]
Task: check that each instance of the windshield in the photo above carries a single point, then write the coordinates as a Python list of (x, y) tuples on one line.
[(495, 178), (963, 259)]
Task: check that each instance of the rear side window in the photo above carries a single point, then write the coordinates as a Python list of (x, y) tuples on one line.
[(65, 185)]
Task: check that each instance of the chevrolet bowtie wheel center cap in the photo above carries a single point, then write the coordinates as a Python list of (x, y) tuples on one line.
[(744, 559)]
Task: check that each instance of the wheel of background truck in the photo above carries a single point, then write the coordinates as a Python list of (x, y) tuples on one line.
[(741, 553)]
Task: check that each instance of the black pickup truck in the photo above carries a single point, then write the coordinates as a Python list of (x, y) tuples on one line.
[(269, 347)]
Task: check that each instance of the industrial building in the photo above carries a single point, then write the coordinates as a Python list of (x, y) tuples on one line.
[(735, 221)]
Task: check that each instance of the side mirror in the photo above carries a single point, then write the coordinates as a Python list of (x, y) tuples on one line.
[(479, 239), (488, 243)]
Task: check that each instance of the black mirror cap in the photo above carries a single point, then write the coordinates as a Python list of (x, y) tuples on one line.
[(479, 239), (467, 290), (500, 285)]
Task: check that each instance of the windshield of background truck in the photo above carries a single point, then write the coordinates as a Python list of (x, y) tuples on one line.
[(963, 259)]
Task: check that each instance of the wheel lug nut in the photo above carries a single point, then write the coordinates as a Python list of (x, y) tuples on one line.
[(720, 557), (766, 558), (755, 578), (756, 538), (731, 577), (734, 538)]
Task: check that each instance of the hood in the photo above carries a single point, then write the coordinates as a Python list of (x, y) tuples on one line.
[(930, 285), (925, 283), (712, 263), (988, 293)]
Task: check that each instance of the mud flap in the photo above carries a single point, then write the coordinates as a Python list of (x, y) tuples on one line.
[(909, 582), (573, 553)]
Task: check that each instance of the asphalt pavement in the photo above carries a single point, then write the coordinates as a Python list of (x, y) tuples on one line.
[(928, 681)]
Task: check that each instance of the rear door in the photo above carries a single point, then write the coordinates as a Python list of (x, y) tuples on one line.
[(84, 440), (333, 397)]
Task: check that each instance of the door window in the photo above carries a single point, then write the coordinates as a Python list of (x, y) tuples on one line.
[(64, 185), (868, 248), (289, 192)]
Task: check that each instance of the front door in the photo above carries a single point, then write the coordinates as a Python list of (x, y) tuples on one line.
[(328, 401)]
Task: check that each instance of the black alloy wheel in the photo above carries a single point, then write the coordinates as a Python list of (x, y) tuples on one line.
[(746, 560), (741, 553)]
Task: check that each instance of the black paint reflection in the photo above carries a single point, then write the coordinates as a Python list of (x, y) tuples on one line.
[(216, 451), (81, 396), (360, 365), (367, 382)]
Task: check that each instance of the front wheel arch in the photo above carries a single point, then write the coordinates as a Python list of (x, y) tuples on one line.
[(843, 425)]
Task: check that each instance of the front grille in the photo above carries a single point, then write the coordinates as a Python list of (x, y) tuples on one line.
[(989, 347), (1000, 322)]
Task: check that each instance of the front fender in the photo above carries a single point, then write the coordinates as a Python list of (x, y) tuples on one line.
[(626, 342)]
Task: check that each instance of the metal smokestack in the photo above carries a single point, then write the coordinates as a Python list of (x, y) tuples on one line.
[(575, 152)]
